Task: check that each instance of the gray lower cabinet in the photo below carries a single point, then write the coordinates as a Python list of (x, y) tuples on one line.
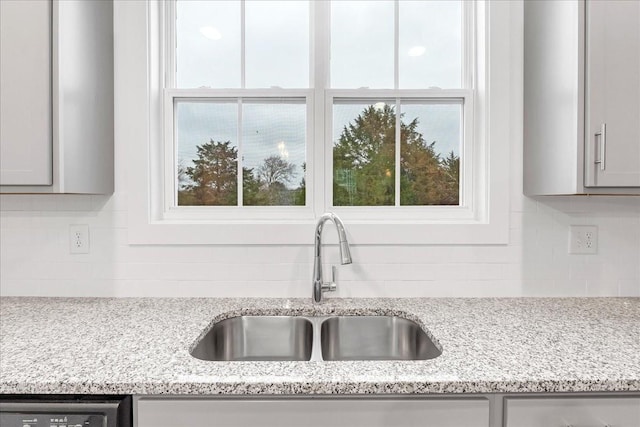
[(491, 410), (570, 411), (312, 412)]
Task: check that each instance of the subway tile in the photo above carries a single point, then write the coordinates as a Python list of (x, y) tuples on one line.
[(16, 202), (522, 203), (10, 220), (629, 288), (554, 288), (251, 289), (285, 254), (25, 287), (111, 203), (602, 287), (35, 257)]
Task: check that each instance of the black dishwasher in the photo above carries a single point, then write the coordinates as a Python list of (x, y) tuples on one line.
[(65, 411)]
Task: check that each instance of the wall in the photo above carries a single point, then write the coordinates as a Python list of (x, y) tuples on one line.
[(35, 259)]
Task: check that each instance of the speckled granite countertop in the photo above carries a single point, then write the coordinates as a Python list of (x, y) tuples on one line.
[(141, 346)]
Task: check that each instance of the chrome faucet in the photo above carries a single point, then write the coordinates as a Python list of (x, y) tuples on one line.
[(319, 287)]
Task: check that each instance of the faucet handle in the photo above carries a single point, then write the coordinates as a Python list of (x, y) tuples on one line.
[(331, 286)]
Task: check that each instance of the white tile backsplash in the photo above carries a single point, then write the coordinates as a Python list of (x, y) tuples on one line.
[(35, 259)]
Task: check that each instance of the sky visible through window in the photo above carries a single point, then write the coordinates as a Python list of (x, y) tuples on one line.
[(268, 129)]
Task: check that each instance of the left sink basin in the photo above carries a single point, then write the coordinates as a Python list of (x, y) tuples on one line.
[(257, 338)]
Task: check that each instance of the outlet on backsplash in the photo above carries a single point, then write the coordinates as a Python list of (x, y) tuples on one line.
[(79, 239), (583, 239)]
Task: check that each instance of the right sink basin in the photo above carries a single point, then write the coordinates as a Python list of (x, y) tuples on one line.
[(375, 338)]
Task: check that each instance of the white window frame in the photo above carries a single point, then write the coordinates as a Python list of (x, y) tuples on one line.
[(223, 214), (142, 120), (420, 214)]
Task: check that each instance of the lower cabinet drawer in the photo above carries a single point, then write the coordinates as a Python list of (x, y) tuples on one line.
[(312, 412), (575, 412)]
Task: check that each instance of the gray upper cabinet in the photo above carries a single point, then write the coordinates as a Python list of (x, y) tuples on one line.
[(56, 96), (613, 94), (25, 93), (582, 97)]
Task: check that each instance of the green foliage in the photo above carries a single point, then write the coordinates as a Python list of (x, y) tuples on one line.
[(363, 160), (213, 175), (251, 195), (212, 180), (299, 197), (364, 170), (451, 179), (364, 164)]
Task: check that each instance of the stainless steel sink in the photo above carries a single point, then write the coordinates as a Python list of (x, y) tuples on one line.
[(375, 338), (289, 338), (276, 338)]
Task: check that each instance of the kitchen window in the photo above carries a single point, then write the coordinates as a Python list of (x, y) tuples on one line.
[(272, 112)]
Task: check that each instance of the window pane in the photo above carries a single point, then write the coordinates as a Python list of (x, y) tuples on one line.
[(206, 137), (274, 153), (277, 44), (430, 153), (364, 153), (208, 44), (362, 44), (430, 44)]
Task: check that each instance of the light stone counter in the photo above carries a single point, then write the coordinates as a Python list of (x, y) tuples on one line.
[(141, 346)]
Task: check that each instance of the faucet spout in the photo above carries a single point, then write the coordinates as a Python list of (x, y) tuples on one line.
[(319, 287)]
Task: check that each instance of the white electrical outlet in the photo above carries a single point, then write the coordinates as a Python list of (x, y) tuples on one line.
[(79, 239), (583, 239)]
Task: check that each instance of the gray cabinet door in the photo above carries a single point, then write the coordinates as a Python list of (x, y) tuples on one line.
[(25, 93), (311, 412), (612, 136), (561, 411)]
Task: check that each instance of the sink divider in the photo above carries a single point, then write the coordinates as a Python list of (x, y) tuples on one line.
[(316, 346)]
